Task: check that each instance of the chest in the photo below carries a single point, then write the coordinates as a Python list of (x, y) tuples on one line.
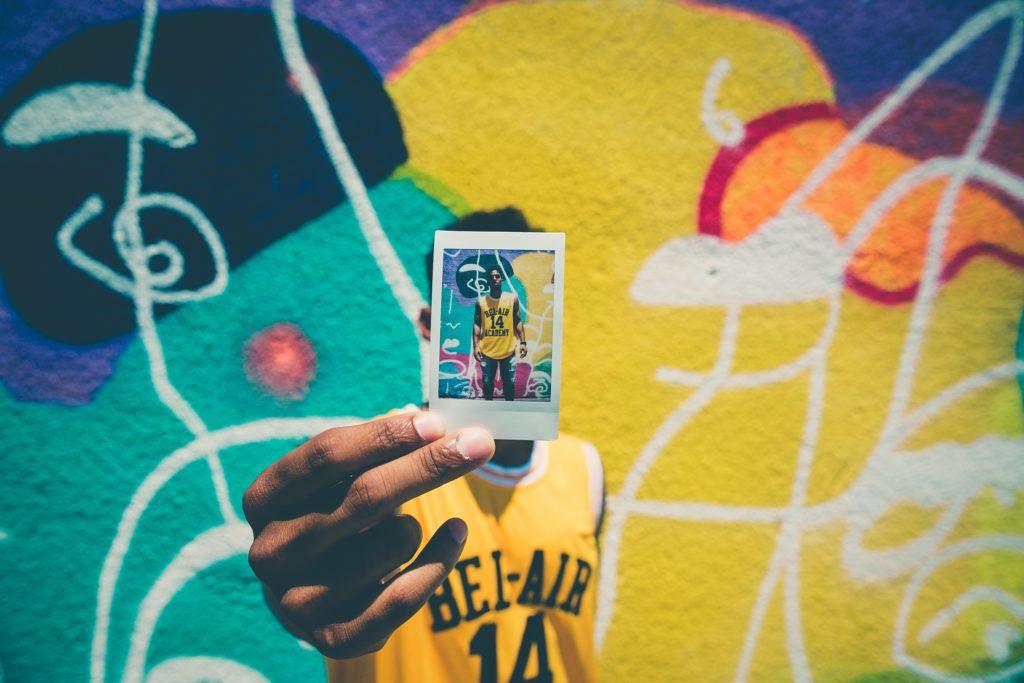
[(527, 550)]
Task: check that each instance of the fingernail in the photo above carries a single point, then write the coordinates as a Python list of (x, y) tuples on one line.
[(475, 444), (429, 426), (457, 528)]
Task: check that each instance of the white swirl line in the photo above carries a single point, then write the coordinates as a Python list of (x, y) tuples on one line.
[(899, 424), (259, 431), (128, 238), (724, 126), (210, 547), (943, 619), (991, 543)]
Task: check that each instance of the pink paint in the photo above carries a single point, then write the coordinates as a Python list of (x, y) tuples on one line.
[(728, 158), (522, 374), (281, 361), (901, 296)]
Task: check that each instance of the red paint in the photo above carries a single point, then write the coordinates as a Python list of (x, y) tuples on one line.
[(893, 297), (709, 220), (281, 361), (729, 158)]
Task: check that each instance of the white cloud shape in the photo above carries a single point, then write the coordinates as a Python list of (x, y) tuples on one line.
[(787, 259), (93, 108)]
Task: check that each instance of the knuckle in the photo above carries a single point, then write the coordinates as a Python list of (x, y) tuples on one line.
[(403, 602), (376, 646), (366, 495), (273, 551), (254, 499), (389, 434), (439, 460), (321, 449), (335, 641), (296, 602), (261, 558)]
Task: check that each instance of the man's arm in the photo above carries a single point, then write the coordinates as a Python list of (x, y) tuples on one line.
[(517, 324), (325, 531), (478, 333)]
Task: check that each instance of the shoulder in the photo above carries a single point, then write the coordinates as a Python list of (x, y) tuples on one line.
[(586, 455)]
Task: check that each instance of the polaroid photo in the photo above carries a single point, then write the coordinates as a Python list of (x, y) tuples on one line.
[(496, 331)]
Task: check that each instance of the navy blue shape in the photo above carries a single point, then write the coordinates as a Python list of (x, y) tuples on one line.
[(258, 169), (471, 274), (871, 45)]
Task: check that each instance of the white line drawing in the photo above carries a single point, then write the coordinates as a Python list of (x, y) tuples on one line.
[(723, 125), (91, 108), (948, 475), (149, 121), (1012, 604), (405, 292), (705, 271), (88, 108), (383, 252), (207, 549), (203, 670)]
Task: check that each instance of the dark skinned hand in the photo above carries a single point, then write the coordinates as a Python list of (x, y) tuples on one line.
[(326, 531)]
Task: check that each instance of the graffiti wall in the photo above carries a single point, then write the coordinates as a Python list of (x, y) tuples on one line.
[(530, 276), (795, 242)]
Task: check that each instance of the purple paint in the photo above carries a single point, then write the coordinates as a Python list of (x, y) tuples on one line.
[(384, 30), (35, 368), (870, 46)]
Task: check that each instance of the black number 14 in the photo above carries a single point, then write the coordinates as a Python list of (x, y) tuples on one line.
[(485, 646)]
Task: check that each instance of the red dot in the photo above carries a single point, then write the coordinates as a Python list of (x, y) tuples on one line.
[(281, 361)]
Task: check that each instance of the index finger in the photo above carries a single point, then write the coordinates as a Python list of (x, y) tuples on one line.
[(333, 455)]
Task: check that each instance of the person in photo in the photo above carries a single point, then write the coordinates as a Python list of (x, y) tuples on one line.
[(497, 324)]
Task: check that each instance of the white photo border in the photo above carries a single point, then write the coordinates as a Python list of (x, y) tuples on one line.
[(514, 420)]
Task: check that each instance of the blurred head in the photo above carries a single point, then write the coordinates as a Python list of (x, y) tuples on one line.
[(508, 219)]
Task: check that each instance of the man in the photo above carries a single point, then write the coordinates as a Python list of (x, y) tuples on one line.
[(495, 317), (334, 556)]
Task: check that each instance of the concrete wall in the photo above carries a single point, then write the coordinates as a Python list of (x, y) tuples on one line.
[(793, 311)]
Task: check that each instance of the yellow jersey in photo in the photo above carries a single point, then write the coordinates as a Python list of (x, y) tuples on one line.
[(496, 320)]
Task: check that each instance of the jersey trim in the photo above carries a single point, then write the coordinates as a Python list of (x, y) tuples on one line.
[(595, 473), (517, 476)]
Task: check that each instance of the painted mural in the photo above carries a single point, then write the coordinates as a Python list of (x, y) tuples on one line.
[(793, 326), (527, 273)]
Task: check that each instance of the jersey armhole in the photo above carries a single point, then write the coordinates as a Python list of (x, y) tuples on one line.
[(595, 481)]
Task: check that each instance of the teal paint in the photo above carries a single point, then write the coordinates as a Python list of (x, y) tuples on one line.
[(76, 469)]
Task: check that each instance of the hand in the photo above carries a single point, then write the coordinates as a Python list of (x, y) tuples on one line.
[(522, 349), (326, 532), (479, 355)]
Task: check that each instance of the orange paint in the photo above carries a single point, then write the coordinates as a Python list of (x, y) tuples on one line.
[(888, 266)]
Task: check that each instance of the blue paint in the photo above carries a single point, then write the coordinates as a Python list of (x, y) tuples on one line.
[(869, 47), (258, 169)]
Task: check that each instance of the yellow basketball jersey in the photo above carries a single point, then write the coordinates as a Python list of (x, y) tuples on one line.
[(519, 605), (499, 339)]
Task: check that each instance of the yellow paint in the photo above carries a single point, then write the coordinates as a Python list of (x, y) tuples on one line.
[(681, 624), (534, 271), (587, 116)]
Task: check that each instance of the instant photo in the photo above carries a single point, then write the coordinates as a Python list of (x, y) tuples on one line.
[(496, 331)]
